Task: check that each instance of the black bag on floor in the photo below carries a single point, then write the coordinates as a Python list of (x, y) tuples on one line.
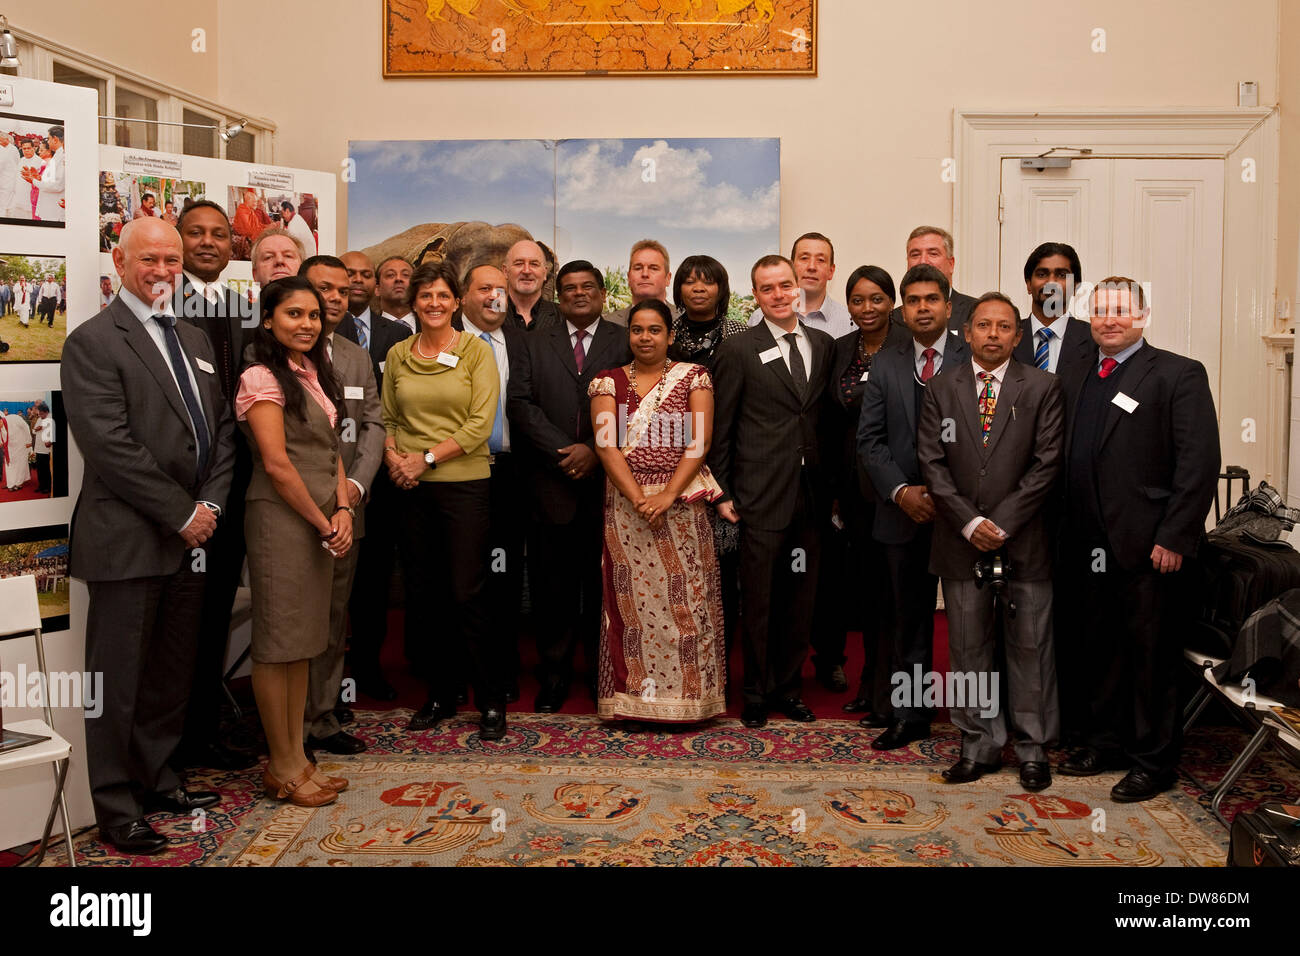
[(1240, 574), (1269, 836)]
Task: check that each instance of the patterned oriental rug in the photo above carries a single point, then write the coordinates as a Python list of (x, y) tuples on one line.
[(568, 790)]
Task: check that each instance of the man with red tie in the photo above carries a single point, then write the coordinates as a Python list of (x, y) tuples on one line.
[(1141, 465)]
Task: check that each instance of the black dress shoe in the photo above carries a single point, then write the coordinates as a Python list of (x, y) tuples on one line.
[(339, 743), (492, 725), (136, 837), (754, 715), (857, 705), (832, 678), (796, 710), (216, 756), (376, 687), (550, 698), (344, 715), (1139, 785), (899, 734), (180, 801), (1035, 775), (1088, 763), (966, 770), (430, 715), (872, 719)]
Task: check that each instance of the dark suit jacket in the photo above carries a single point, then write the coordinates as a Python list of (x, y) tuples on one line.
[(549, 409), (887, 430), (384, 334), (1158, 466), (1008, 481), (843, 415), (131, 424), (762, 429), (1077, 345), (961, 308), (238, 315)]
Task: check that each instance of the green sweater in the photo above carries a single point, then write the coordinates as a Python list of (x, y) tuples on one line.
[(426, 402)]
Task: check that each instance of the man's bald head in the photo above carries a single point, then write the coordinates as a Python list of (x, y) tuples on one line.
[(148, 258)]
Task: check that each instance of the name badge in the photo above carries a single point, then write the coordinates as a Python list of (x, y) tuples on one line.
[(448, 359), (381, 367), (1124, 402), (353, 391), (865, 376), (204, 366), (771, 355)]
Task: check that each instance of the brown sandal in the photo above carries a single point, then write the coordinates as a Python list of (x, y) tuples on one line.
[(289, 791)]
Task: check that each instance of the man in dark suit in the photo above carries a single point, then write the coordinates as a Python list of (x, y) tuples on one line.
[(989, 445), (483, 308), (891, 409), (1142, 464), (1051, 338), (361, 448), (770, 389), (225, 316), (378, 549), (550, 421), (145, 405), (931, 245), (527, 307)]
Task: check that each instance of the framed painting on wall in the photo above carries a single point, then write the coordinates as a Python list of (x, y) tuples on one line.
[(598, 37)]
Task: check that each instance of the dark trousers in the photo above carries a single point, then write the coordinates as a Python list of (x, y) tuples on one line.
[(565, 587), (506, 536), (368, 606), (141, 635), (45, 310), (444, 564), (778, 588), (43, 473), (1127, 629), (913, 592), (224, 559)]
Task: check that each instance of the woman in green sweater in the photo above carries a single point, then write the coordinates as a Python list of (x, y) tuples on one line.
[(440, 396)]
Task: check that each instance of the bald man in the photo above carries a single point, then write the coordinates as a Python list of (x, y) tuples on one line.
[(145, 405), (526, 269)]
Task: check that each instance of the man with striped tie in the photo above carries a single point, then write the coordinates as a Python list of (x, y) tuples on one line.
[(989, 444), (1050, 338)]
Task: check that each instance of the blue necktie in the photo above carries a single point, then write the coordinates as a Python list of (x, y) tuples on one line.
[(498, 436), (361, 333), (182, 371), (1044, 351)]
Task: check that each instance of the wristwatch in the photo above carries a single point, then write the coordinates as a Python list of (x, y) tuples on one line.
[(348, 508), (430, 459)]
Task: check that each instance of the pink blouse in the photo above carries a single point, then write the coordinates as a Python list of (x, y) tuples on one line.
[(257, 384)]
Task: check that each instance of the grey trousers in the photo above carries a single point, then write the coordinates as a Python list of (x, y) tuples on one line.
[(1030, 678), (325, 675)]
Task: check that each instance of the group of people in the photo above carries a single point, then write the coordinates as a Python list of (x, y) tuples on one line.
[(662, 477), (32, 175), (26, 444), (45, 298)]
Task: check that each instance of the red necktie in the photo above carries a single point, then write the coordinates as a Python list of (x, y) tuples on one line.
[(1107, 366), (927, 371), (578, 353)]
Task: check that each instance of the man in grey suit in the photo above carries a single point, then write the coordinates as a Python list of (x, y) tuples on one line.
[(989, 444), (932, 246), (145, 406), (361, 446), (891, 407)]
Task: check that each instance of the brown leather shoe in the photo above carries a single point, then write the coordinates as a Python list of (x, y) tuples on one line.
[(326, 782), (289, 791)]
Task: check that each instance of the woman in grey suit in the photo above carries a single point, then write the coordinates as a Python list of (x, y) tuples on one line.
[(297, 522)]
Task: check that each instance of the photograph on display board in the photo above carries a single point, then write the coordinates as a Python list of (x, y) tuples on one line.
[(579, 199), (253, 209), (33, 446), (33, 307), (33, 171), (123, 197), (42, 553)]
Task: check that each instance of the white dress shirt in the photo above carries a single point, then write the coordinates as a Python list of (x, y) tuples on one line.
[(44, 435), (801, 339), (830, 317), (1058, 328), (407, 320), (213, 292), (502, 356), (590, 333), (919, 353), (50, 189), (998, 373)]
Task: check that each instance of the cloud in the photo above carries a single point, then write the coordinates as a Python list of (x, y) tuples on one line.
[(476, 161), (666, 184)]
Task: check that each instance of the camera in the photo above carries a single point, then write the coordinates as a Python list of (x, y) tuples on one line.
[(994, 570)]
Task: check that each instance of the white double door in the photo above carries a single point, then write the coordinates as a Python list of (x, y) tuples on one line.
[(1159, 221)]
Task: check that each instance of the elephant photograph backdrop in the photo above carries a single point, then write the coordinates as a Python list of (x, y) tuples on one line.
[(579, 198)]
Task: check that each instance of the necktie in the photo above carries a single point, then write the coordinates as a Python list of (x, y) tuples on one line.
[(988, 403), (1107, 366), (361, 335), (181, 369), (927, 370), (1043, 353), (579, 355), (498, 437), (797, 371)]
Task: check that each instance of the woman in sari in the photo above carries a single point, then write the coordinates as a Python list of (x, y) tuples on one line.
[(661, 640)]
